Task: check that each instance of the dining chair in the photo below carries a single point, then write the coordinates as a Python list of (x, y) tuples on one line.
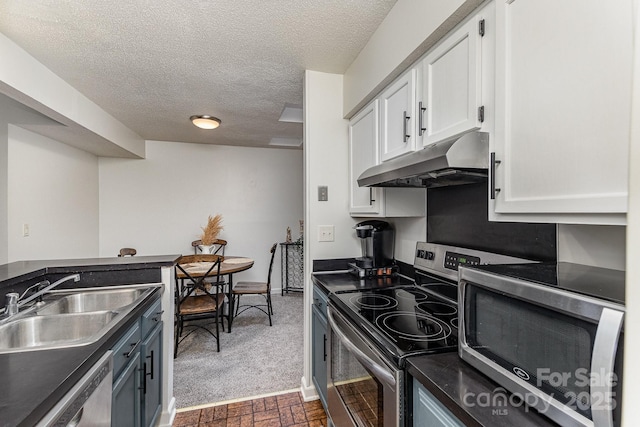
[(127, 252), (221, 244), (256, 288), (199, 295)]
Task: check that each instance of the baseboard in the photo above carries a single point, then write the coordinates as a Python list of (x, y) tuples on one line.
[(168, 416), (308, 392)]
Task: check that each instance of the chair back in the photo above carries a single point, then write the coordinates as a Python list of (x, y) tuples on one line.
[(203, 280), (221, 244), (127, 251), (273, 254)]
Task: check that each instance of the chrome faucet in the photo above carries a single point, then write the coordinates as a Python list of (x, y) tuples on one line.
[(14, 301)]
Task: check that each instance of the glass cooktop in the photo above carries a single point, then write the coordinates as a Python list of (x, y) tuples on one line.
[(403, 321)]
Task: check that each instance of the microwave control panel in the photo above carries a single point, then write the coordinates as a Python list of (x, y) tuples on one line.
[(453, 260)]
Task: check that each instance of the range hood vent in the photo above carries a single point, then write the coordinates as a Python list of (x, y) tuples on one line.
[(463, 160)]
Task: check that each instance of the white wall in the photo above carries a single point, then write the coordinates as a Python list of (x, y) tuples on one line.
[(4, 185), (326, 163), (54, 188), (409, 231), (631, 377), (158, 205), (599, 245)]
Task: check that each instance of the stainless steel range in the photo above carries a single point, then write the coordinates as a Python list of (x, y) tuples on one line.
[(373, 331)]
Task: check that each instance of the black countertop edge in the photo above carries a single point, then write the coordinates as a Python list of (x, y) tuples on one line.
[(337, 264), (471, 396), (323, 265), (19, 271), (50, 374)]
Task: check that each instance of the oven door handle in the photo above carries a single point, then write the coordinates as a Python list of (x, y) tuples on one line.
[(379, 372)]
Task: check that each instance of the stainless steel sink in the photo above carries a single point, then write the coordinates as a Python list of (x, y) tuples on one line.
[(53, 331), (87, 301), (69, 318)]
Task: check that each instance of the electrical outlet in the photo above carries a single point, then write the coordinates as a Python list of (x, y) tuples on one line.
[(325, 233), (25, 230)]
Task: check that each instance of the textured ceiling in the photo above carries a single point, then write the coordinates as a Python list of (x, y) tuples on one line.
[(152, 64)]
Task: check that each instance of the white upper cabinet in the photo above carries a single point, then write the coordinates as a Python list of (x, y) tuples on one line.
[(451, 85), (363, 153), (563, 96), (397, 117)]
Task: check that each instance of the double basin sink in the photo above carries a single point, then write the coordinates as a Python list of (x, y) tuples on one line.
[(69, 318)]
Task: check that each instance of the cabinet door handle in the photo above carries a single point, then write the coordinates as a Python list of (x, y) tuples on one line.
[(133, 349), (421, 128), (371, 199), (324, 347), (494, 163), (157, 316), (405, 120), (151, 371)]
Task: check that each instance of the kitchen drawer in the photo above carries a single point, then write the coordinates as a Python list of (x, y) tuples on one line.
[(151, 318), (320, 301), (126, 348)]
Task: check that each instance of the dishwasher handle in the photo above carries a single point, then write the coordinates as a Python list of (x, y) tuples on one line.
[(380, 372)]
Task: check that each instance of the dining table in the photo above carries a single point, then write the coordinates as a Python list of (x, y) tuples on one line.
[(229, 266)]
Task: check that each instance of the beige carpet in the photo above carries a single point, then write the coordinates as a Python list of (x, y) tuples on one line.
[(254, 358)]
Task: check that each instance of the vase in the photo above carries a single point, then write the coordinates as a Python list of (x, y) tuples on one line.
[(208, 249)]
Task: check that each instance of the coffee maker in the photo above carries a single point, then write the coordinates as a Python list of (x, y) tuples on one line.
[(377, 241)]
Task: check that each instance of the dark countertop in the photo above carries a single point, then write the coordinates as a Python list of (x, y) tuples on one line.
[(34, 381), (24, 270), (470, 395)]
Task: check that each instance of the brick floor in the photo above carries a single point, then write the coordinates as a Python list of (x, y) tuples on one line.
[(283, 410)]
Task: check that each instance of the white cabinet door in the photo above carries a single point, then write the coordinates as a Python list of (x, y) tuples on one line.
[(363, 153), (396, 116), (451, 85), (563, 87)]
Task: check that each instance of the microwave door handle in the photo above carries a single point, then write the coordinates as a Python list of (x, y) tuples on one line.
[(378, 371), (605, 346)]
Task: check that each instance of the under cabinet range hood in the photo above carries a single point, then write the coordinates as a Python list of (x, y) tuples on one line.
[(463, 160)]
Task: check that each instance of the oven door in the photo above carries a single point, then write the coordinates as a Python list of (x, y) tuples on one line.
[(363, 389)]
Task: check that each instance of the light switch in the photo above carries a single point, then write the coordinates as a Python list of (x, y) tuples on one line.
[(25, 230), (323, 193), (325, 233)]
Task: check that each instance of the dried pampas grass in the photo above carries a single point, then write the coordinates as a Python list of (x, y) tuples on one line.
[(211, 231)]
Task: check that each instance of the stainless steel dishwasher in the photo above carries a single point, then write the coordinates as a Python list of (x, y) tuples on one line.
[(88, 403)]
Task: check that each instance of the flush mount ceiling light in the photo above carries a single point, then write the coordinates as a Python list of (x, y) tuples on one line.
[(205, 122)]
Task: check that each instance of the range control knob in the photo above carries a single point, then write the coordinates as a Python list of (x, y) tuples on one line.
[(429, 255)]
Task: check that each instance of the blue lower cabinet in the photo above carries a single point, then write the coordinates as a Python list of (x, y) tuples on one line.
[(151, 396), (137, 376), (319, 344), (125, 405), (428, 411)]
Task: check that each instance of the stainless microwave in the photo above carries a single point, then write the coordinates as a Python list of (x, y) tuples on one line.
[(551, 336)]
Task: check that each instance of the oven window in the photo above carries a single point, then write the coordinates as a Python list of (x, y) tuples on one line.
[(360, 392), (552, 348)]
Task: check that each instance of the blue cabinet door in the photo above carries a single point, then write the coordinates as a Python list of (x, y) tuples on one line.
[(428, 411), (151, 360), (319, 354), (125, 406)]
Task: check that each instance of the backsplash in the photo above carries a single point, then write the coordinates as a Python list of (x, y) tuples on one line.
[(596, 245)]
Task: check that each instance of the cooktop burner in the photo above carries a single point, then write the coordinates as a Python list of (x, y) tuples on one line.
[(404, 320), (413, 326), (372, 301)]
